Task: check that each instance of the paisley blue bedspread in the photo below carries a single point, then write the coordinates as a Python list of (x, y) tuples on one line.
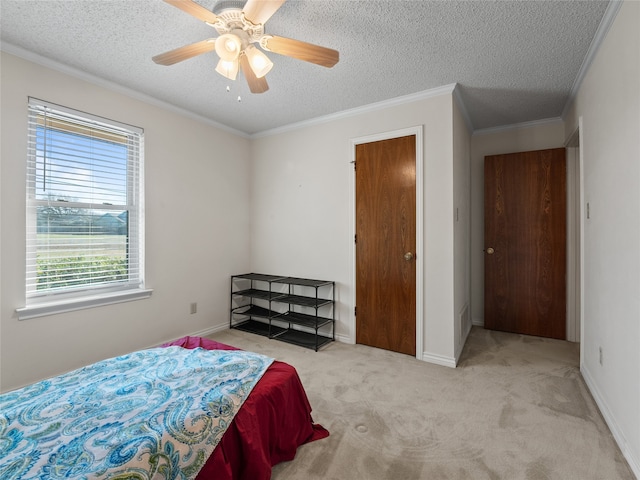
[(156, 413)]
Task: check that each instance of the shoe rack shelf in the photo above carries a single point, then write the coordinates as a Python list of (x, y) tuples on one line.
[(291, 309)]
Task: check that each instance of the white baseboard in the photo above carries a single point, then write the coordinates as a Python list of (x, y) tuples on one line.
[(200, 333), (478, 322), (211, 330), (438, 359), (225, 326), (345, 339), (426, 356), (613, 425)]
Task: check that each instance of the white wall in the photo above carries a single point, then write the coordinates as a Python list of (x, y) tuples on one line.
[(289, 193), (302, 209), (197, 229), (537, 136), (462, 229), (609, 103)]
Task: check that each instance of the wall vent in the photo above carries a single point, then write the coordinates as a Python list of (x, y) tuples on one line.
[(465, 323)]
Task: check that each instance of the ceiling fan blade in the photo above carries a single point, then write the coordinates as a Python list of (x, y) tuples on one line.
[(256, 85), (308, 52), (195, 10), (183, 53), (259, 11)]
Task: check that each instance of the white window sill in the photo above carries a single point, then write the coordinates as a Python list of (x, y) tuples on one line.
[(69, 305)]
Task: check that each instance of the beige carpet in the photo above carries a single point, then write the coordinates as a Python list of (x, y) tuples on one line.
[(515, 408)]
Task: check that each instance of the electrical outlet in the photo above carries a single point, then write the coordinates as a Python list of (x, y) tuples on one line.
[(600, 357), (194, 308)]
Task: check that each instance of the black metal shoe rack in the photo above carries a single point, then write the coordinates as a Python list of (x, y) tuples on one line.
[(284, 308)]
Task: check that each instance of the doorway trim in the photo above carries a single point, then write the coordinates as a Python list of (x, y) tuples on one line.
[(576, 212), (417, 131)]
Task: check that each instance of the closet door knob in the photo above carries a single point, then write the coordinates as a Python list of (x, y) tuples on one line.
[(408, 256)]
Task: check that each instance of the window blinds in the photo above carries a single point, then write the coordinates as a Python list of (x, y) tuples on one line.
[(84, 203)]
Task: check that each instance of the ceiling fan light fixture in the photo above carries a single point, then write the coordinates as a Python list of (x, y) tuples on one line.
[(228, 69), (228, 47), (259, 62), (240, 24)]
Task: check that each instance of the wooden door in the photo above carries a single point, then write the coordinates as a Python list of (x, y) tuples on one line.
[(386, 244), (525, 243)]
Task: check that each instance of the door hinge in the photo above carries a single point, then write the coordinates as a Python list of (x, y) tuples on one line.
[(355, 239), (355, 311)]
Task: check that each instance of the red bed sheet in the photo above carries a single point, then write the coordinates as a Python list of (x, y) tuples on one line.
[(273, 422)]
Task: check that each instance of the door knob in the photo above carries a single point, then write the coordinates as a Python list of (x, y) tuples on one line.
[(408, 256), (490, 251)]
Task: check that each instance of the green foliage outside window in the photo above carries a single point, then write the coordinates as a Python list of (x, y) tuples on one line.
[(73, 271)]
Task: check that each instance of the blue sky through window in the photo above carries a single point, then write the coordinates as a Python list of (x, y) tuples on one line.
[(80, 168)]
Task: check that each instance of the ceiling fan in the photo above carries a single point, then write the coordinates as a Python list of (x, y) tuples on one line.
[(239, 29)]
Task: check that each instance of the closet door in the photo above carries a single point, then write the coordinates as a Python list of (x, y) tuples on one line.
[(525, 243), (386, 244)]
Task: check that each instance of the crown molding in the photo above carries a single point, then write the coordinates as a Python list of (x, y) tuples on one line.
[(101, 82), (453, 89), (516, 126), (605, 24), (457, 96), (372, 107)]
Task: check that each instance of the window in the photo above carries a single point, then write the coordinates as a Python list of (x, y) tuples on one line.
[(85, 226)]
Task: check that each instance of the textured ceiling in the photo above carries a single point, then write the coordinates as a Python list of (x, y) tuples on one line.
[(515, 61)]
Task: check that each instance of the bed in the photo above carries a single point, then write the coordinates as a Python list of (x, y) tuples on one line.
[(272, 417)]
